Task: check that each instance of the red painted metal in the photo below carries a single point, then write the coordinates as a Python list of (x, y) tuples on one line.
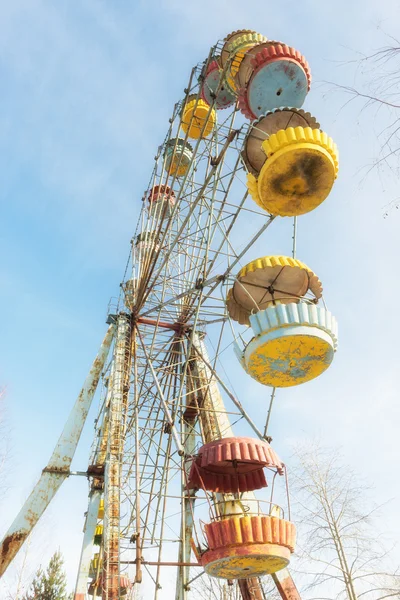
[(285, 585), (96, 586), (255, 529), (244, 106), (156, 563), (227, 484), (161, 191), (233, 464), (279, 52), (272, 53), (251, 589), (248, 546), (162, 324)]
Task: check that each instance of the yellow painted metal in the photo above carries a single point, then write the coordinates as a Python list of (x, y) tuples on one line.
[(262, 128), (180, 170), (312, 352), (266, 262), (96, 563), (101, 510), (252, 186), (301, 167), (261, 559), (228, 42), (237, 50), (195, 114), (298, 135)]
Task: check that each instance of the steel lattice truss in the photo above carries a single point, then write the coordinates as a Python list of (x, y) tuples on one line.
[(162, 396), (173, 292)]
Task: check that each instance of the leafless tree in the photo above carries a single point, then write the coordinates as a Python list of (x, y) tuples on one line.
[(209, 588), (341, 552), (377, 90)]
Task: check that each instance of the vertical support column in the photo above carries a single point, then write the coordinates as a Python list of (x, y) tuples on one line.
[(112, 478), (188, 418), (138, 539), (87, 545), (189, 443)]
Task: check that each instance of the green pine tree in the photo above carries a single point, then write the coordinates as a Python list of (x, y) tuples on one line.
[(50, 584)]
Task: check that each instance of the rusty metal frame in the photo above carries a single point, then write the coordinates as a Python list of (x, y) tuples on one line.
[(163, 395), (112, 478)]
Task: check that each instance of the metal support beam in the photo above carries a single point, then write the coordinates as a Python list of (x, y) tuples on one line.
[(164, 404), (285, 585), (112, 477), (57, 469), (87, 545), (189, 437)]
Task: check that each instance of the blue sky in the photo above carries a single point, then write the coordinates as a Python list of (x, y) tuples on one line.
[(87, 90)]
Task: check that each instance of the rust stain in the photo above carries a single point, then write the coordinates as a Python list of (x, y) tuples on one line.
[(307, 170), (285, 585), (288, 68), (9, 548), (96, 470), (251, 589), (58, 470), (32, 517)]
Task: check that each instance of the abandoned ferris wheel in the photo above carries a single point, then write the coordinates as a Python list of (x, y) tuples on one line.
[(173, 492)]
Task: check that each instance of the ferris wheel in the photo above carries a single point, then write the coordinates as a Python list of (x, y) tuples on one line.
[(175, 493)]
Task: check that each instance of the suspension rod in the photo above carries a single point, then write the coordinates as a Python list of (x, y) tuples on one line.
[(162, 564), (231, 396)]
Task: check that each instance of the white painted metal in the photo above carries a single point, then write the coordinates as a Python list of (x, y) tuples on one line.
[(87, 544), (57, 469)]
